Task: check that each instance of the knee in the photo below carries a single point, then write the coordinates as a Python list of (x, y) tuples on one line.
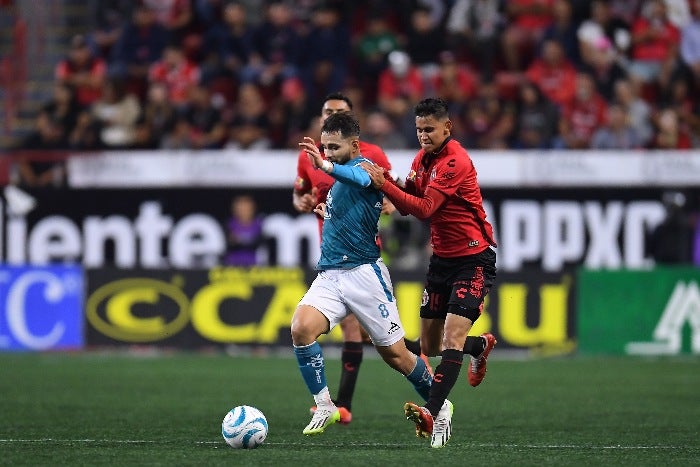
[(299, 332), (302, 329)]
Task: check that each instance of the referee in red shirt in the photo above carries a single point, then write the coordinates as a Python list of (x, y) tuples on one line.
[(442, 186)]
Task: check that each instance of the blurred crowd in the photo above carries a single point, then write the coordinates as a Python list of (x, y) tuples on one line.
[(252, 74)]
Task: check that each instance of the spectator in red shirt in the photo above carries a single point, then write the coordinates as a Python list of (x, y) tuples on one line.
[(176, 72), (553, 73), (527, 21), (81, 70), (655, 43), (582, 116)]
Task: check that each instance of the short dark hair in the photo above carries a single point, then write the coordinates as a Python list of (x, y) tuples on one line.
[(432, 106), (338, 96), (344, 123)]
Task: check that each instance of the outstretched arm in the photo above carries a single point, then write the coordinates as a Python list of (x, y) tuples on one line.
[(347, 174), (421, 207)]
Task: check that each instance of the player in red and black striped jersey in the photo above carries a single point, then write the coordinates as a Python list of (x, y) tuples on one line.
[(442, 186), (310, 189)]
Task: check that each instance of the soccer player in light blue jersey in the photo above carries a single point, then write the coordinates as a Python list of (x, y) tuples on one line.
[(352, 277)]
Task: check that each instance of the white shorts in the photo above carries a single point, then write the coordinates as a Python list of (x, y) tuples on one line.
[(367, 292)]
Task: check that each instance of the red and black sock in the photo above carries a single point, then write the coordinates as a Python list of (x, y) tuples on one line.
[(351, 359), (444, 379)]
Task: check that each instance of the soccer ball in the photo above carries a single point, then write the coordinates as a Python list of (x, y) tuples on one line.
[(244, 427)]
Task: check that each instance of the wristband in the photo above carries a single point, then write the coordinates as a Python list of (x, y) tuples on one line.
[(327, 166)]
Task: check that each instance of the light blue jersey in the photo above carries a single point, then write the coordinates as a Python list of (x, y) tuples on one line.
[(353, 206)]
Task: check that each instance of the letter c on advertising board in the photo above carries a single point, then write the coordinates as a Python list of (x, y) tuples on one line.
[(110, 309), (17, 322)]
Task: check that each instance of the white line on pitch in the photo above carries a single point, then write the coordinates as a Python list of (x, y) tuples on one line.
[(481, 445)]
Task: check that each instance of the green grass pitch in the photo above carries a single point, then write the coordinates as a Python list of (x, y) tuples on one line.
[(116, 409)]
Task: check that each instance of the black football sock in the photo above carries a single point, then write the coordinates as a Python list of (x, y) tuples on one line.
[(413, 346), (474, 345), (351, 359), (444, 379)]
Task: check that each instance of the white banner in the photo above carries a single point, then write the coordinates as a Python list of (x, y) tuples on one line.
[(221, 168)]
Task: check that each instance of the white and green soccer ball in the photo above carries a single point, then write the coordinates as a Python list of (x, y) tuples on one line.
[(244, 427)]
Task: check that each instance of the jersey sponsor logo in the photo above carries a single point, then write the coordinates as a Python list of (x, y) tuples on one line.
[(473, 243), (378, 205)]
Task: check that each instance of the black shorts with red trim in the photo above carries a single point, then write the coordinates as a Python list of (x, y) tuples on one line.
[(458, 285)]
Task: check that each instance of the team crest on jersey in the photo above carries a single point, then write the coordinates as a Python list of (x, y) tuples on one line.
[(411, 176), (433, 173), (299, 184)]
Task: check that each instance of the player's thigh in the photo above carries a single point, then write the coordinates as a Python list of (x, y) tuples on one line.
[(324, 296)]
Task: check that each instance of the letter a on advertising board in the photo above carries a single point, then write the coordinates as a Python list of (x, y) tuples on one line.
[(682, 307)]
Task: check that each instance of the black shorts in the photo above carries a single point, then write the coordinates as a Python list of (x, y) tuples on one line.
[(458, 285)]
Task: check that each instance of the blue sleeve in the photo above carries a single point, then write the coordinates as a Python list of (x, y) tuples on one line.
[(351, 174)]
